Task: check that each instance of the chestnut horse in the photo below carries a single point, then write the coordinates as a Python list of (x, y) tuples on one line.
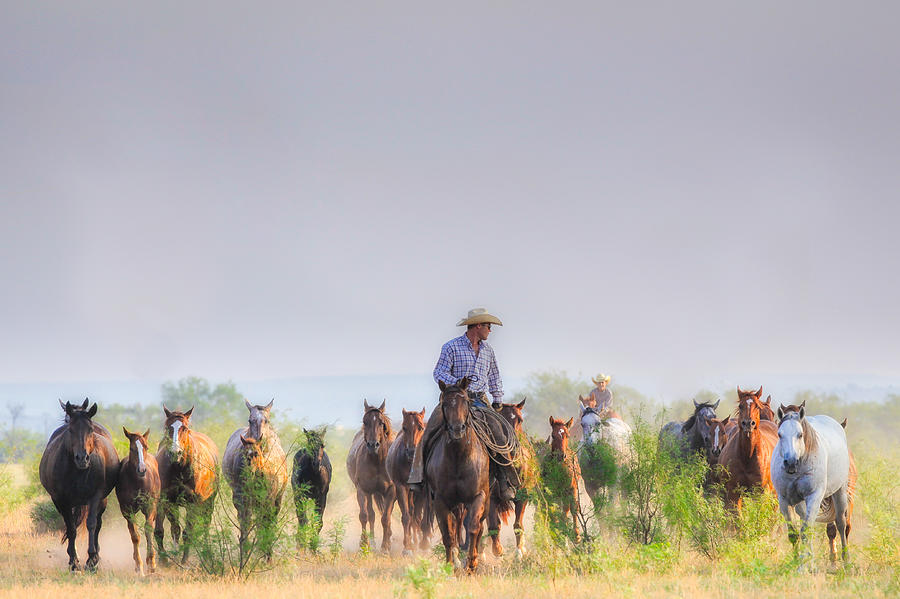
[(720, 431), (500, 509), (79, 469), (255, 466), (188, 472), (138, 490), (414, 509), (368, 472), (457, 472), (746, 456), (560, 452)]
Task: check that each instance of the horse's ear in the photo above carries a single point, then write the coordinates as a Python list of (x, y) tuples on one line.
[(383, 402), (739, 390), (92, 411), (768, 401), (696, 405), (463, 383), (442, 386), (569, 422), (85, 404), (551, 421), (248, 404), (146, 435), (62, 405), (366, 404), (844, 423), (803, 405), (758, 394), (167, 411), (188, 413), (521, 404), (780, 411), (581, 410), (716, 405), (246, 441), (305, 432), (727, 418), (802, 411), (422, 413), (269, 405), (127, 434)]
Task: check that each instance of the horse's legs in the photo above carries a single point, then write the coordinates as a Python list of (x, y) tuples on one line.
[(447, 523), (71, 520), (831, 532), (808, 514), (493, 519), (162, 510), (405, 517), (149, 525), (785, 510), (135, 543), (841, 520), (94, 522), (387, 509), (362, 499), (474, 524), (520, 536), (427, 519)]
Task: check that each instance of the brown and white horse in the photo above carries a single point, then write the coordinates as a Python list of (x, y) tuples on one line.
[(138, 490), (414, 507), (560, 452)]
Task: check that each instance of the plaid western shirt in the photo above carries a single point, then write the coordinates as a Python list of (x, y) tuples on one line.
[(458, 359)]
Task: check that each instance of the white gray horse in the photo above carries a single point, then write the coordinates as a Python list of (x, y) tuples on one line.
[(613, 432), (811, 473)]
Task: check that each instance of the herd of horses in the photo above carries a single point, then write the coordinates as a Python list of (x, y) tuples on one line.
[(803, 459)]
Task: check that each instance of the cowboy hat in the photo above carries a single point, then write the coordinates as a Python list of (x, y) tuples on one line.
[(478, 316), (601, 378)]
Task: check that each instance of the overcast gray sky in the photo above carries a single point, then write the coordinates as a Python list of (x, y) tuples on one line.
[(253, 191)]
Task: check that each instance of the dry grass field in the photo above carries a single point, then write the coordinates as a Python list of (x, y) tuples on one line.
[(33, 564)]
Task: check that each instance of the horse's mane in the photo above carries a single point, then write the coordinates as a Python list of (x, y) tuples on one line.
[(810, 437)]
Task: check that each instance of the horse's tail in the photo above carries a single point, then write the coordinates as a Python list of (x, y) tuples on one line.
[(505, 507), (79, 515)]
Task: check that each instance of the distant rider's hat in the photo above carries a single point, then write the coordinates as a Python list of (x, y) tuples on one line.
[(478, 316), (601, 378)]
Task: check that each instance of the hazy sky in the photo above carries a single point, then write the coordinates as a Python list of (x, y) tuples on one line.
[(253, 191)]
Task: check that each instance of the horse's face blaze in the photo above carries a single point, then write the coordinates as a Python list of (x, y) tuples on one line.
[(793, 446), (413, 427), (80, 437)]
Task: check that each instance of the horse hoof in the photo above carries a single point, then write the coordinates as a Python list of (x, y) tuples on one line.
[(91, 564), (74, 566), (497, 549)]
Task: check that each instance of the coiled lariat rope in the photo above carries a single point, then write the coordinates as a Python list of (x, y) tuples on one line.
[(504, 451)]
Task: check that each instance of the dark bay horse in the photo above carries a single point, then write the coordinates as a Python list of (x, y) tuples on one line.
[(691, 435), (311, 476), (499, 510), (366, 465), (138, 490), (255, 466), (414, 507), (747, 454), (79, 469), (188, 472), (457, 472), (563, 455)]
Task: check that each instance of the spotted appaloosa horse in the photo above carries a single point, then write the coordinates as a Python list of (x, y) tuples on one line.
[(561, 453), (747, 454), (414, 507), (500, 509), (79, 469), (814, 475), (138, 490), (188, 471), (366, 465)]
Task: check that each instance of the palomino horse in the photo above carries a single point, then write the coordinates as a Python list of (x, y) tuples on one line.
[(747, 453), (500, 509), (255, 466), (814, 474), (457, 471), (79, 468), (188, 471), (414, 508), (138, 490), (560, 453), (311, 476), (691, 435), (367, 470), (597, 429)]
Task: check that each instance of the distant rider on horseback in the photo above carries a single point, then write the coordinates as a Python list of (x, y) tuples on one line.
[(470, 356)]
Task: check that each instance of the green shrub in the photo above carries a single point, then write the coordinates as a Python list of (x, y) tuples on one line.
[(641, 482), (45, 518)]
